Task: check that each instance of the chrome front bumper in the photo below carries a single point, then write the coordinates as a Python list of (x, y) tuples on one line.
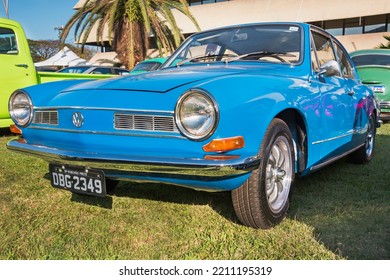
[(173, 168), (385, 111), (385, 104)]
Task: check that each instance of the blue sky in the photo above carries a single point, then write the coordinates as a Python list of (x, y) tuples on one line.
[(39, 17)]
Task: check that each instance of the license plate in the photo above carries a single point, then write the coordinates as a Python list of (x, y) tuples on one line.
[(78, 179), (378, 89)]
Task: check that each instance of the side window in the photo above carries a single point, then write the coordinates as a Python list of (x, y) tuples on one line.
[(8, 41), (120, 72), (345, 65), (323, 47), (102, 71), (314, 60)]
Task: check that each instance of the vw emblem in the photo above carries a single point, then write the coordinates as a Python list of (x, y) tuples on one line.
[(78, 119)]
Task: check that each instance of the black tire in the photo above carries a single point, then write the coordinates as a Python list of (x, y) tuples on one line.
[(364, 154), (263, 200)]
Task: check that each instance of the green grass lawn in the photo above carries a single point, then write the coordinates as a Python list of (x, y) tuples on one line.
[(339, 212)]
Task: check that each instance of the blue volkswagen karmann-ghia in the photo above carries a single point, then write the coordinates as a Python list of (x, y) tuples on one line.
[(242, 109)]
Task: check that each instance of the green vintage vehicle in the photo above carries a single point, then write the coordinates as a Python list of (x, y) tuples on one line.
[(151, 64), (17, 68), (373, 67)]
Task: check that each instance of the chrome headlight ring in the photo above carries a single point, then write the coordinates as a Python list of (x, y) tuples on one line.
[(20, 108), (196, 114)]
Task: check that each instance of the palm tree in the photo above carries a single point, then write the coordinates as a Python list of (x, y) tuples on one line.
[(385, 46), (6, 7), (130, 23)]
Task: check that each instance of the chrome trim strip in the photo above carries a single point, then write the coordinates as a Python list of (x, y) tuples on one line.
[(157, 134), (117, 166), (385, 104), (162, 112), (335, 138), (320, 165)]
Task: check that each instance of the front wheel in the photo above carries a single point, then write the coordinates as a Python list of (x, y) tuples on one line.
[(263, 200)]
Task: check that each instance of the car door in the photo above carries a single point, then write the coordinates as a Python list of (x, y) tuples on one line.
[(338, 101), (15, 65), (356, 91)]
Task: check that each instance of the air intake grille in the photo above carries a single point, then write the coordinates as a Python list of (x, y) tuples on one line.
[(145, 122), (46, 117)]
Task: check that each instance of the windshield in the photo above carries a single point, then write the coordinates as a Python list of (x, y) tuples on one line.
[(277, 43)]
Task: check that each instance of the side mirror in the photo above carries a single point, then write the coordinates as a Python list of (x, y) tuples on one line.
[(330, 68)]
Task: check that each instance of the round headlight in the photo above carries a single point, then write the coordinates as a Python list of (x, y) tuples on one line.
[(196, 114), (20, 108)]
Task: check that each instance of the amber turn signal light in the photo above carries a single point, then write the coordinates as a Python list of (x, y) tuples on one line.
[(15, 130), (225, 144)]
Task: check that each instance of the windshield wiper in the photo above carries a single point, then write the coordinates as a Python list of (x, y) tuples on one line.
[(204, 57), (260, 54)]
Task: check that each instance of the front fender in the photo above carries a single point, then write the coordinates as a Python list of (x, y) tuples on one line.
[(248, 104)]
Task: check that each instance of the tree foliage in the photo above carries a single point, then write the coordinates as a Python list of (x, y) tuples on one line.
[(130, 24), (387, 45), (44, 49)]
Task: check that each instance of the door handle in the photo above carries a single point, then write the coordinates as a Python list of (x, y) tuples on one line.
[(22, 65)]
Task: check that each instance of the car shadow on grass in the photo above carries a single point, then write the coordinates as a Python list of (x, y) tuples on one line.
[(348, 205), (103, 202), (5, 132), (220, 202)]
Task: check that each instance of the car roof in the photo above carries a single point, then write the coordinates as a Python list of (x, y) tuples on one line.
[(79, 66), (370, 51), (155, 59), (254, 24), (90, 66)]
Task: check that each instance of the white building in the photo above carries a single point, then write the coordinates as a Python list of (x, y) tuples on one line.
[(358, 24)]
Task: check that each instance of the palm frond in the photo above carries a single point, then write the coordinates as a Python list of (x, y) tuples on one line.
[(387, 45), (129, 23)]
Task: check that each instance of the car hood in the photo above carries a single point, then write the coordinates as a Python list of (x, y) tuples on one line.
[(165, 80)]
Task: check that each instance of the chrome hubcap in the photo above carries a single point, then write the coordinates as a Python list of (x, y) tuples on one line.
[(278, 174), (369, 140)]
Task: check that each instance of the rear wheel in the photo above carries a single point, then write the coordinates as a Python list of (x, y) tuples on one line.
[(364, 153), (263, 200)]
